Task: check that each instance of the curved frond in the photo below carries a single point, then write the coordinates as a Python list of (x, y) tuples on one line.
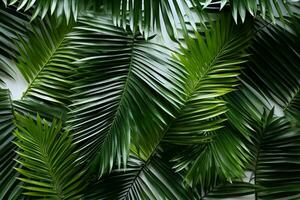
[(275, 155), (276, 73), (48, 165), (213, 66), (143, 16), (10, 187), (127, 80), (273, 145), (46, 62), (13, 24)]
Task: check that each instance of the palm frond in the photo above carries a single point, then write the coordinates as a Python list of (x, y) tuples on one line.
[(270, 9), (149, 16), (232, 190), (141, 180), (13, 25), (45, 61), (60, 8), (276, 73), (275, 155), (48, 165), (213, 66), (10, 187), (204, 164), (143, 16), (273, 144), (127, 80)]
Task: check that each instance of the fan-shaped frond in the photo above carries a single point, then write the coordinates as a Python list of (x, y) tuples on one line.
[(127, 80), (48, 165), (141, 180)]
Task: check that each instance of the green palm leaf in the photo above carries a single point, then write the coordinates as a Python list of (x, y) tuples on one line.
[(149, 16), (275, 154), (68, 9), (9, 185), (282, 66), (273, 145), (127, 80), (46, 62), (233, 190), (49, 167), (13, 25), (213, 66), (141, 180), (270, 9)]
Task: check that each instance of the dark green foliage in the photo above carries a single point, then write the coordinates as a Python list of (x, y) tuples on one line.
[(161, 99)]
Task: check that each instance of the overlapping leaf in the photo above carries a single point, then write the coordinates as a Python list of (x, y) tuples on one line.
[(9, 185), (49, 168), (270, 9), (46, 62), (143, 16), (141, 180), (273, 144), (276, 73), (13, 25), (213, 66), (66, 8), (149, 16), (126, 81)]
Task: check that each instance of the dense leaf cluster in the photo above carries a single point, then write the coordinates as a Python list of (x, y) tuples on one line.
[(161, 99)]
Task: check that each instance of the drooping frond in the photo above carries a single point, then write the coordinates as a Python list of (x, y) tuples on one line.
[(156, 15), (270, 9), (69, 9), (205, 164), (143, 16), (127, 80), (275, 156), (48, 164)]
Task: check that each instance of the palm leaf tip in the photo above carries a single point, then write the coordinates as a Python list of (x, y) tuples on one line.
[(48, 165)]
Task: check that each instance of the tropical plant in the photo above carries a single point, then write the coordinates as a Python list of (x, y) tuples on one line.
[(161, 99)]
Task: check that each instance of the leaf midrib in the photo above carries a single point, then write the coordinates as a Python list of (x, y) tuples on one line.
[(287, 106), (44, 65), (122, 96), (189, 96)]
